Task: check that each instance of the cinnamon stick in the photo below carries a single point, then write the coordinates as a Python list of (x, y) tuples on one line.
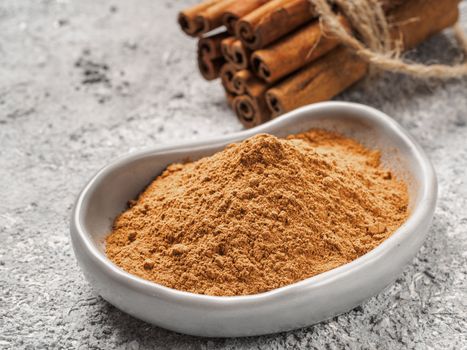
[(416, 20), (215, 15), (211, 14), (294, 51), (339, 69), (250, 112), (227, 73), (239, 81), (238, 10), (211, 17), (277, 18), (210, 67), (226, 48), (210, 46), (188, 17), (245, 82), (210, 58), (320, 81), (250, 107), (235, 53), (273, 20), (240, 55)]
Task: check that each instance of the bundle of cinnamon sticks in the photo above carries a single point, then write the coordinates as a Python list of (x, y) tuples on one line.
[(274, 55)]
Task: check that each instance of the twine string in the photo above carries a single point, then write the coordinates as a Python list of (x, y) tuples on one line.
[(376, 46)]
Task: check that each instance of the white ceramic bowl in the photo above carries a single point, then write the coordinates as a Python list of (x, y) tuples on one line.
[(293, 306)]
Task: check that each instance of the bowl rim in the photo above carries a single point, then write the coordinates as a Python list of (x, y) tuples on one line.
[(425, 208)]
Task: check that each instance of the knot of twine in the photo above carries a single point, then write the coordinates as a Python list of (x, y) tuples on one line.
[(376, 46)]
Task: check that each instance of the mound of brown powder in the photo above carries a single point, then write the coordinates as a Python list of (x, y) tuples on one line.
[(259, 215)]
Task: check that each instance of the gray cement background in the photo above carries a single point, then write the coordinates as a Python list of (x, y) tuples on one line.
[(84, 81)]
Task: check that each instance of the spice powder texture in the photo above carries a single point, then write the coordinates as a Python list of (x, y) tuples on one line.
[(259, 215)]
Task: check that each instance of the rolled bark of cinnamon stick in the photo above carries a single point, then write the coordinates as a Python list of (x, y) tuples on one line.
[(333, 73), (294, 51), (210, 67), (277, 18), (211, 14), (226, 48), (235, 53), (320, 81), (416, 20), (210, 46), (210, 59), (251, 107), (239, 81), (250, 111), (238, 10), (188, 17), (211, 17), (227, 73), (245, 82), (240, 55), (273, 20)]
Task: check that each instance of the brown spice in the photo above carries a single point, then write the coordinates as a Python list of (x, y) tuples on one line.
[(259, 215)]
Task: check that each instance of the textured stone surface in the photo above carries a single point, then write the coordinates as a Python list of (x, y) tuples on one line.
[(82, 82)]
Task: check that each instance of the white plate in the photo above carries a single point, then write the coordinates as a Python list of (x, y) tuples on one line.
[(300, 304)]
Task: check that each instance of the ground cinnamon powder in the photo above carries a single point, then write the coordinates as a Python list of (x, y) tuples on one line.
[(259, 215)]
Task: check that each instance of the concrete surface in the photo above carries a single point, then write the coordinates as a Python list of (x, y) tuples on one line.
[(84, 81)]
